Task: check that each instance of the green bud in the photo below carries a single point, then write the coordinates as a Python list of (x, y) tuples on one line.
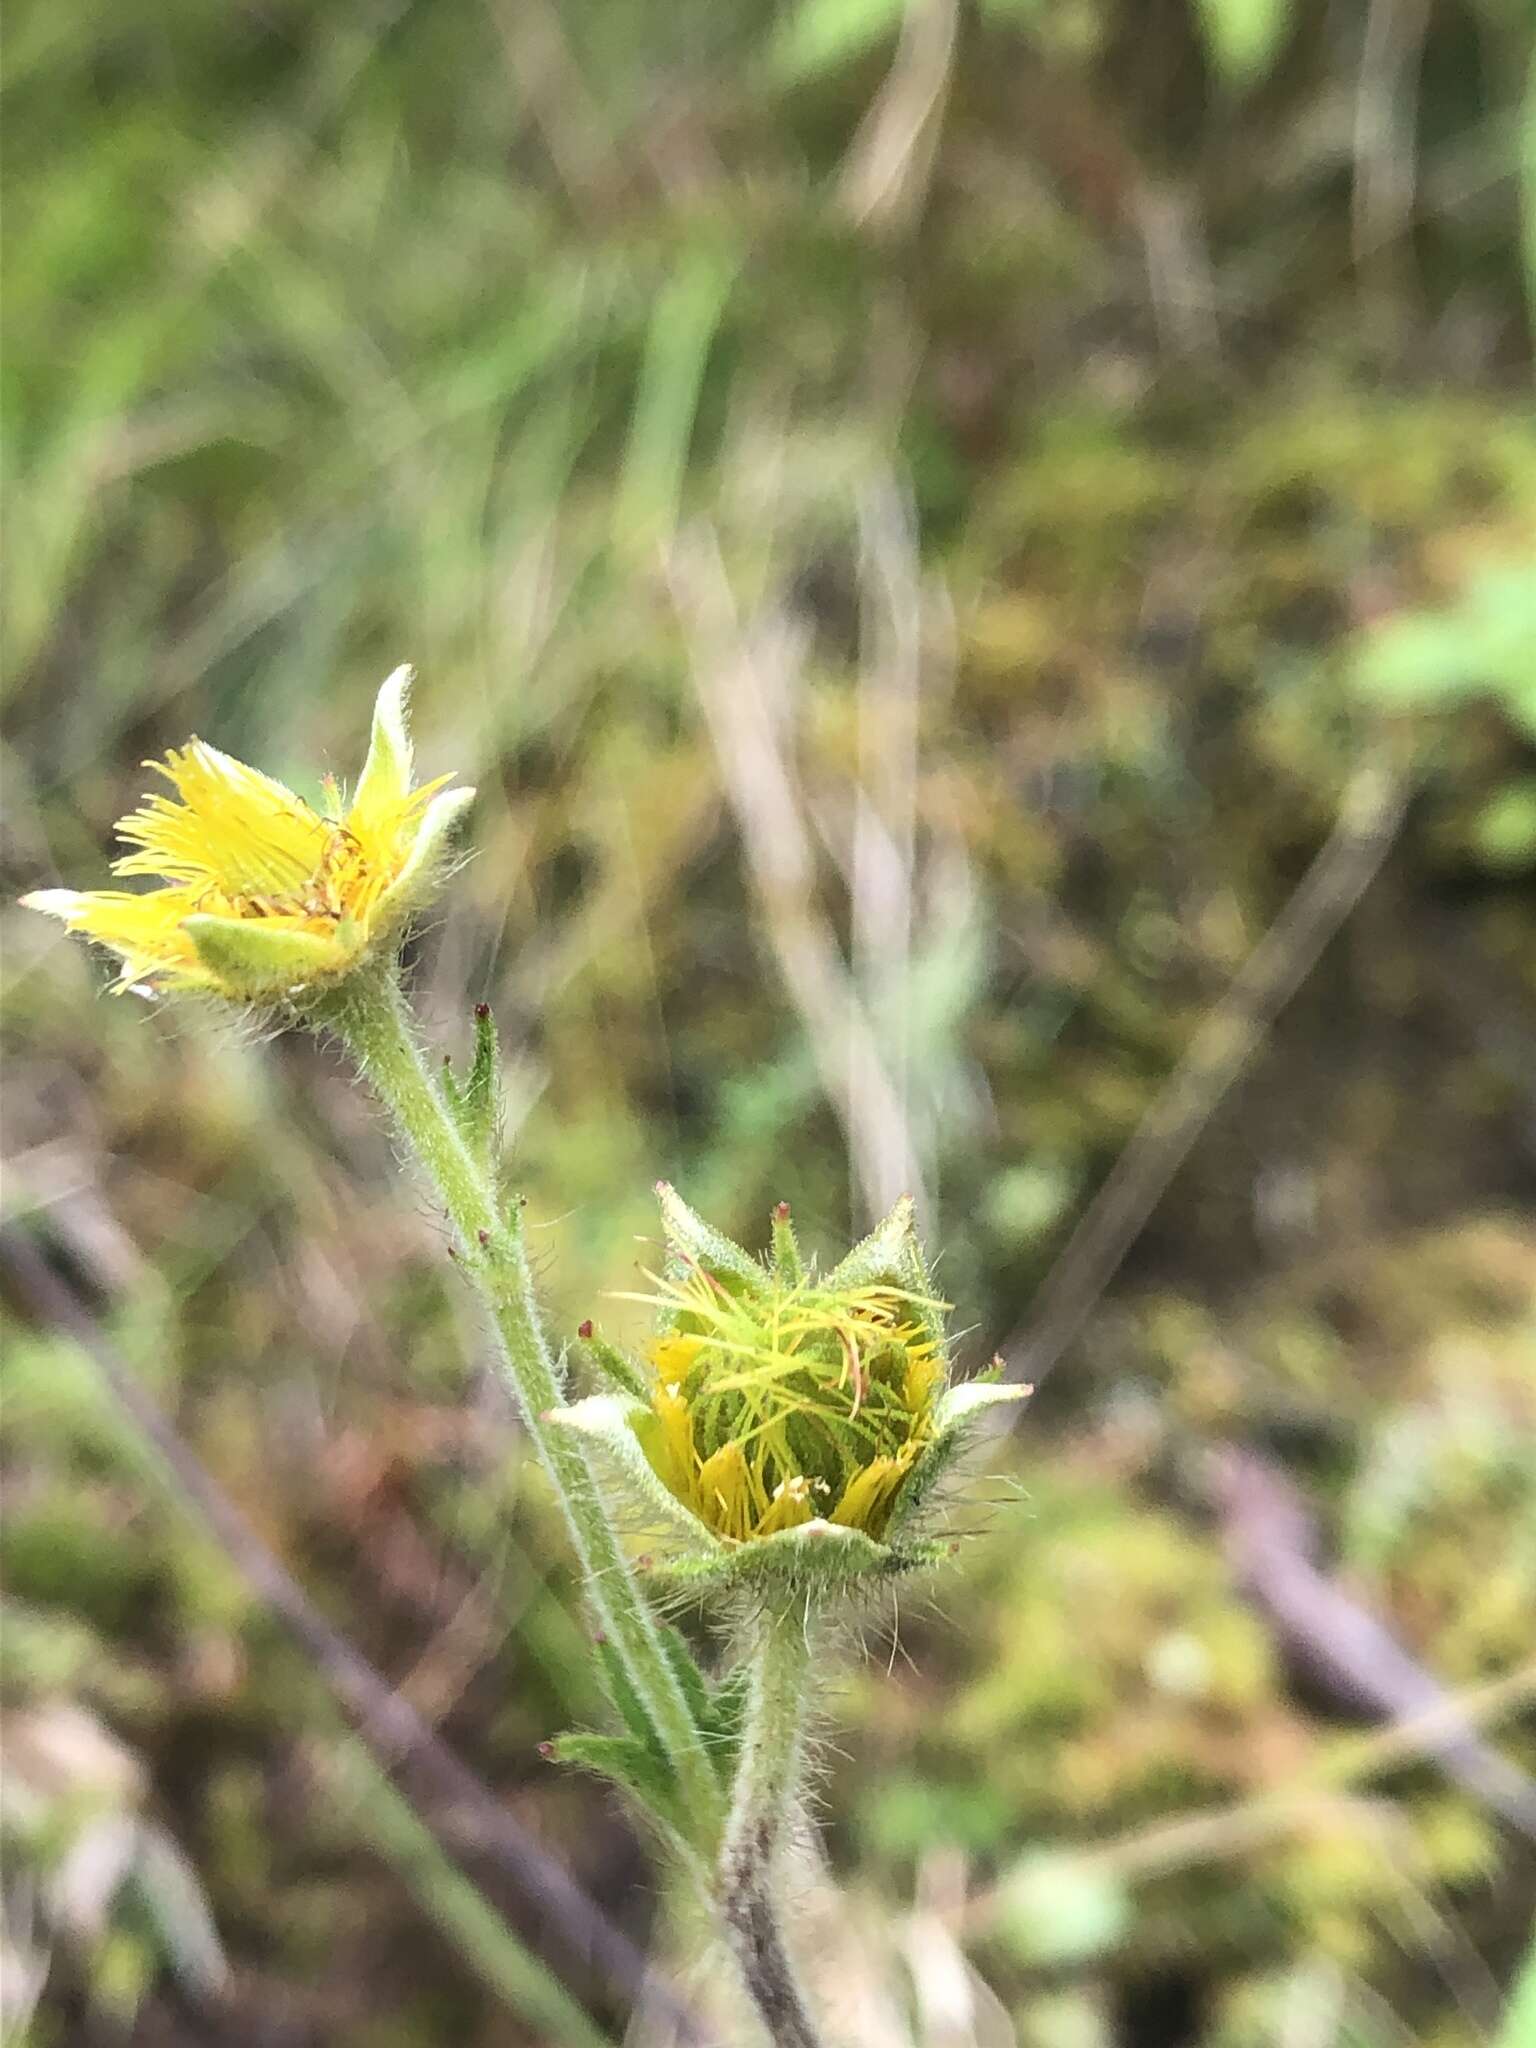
[(789, 1429)]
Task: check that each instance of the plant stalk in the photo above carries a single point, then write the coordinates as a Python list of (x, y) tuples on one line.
[(763, 1804), (368, 1014)]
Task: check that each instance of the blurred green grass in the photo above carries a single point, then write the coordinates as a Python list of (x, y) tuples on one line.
[(339, 339)]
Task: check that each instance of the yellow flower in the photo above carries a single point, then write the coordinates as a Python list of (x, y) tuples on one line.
[(796, 1400), (260, 894), (793, 1429)]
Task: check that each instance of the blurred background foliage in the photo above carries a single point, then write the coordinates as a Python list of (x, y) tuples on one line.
[(903, 508)]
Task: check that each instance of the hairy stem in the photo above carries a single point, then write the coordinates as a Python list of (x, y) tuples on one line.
[(368, 1014), (763, 1802)]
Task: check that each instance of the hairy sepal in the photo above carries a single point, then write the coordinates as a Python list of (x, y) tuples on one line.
[(816, 1559), (252, 961), (422, 871), (957, 1418), (476, 1102), (635, 1768), (608, 1424), (620, 1371), (691, 1243), (386, 775)]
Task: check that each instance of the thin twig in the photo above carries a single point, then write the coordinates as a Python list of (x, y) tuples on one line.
[(1221, 1048), (885, 177), (1271, 1540), (742, 675), (388, 1724)]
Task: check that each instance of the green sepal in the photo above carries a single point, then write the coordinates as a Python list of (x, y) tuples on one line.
[(386, 773), (251, 959), (787, 1260), (892, 1256), (957, 1408), (423, 867), (633, 1767), (608, 1423), (885, 1256), (476, 1103), (616, 1367), (955, 1416), (694, 1685), (624, 1699), (692, 1242), (816, 1557)]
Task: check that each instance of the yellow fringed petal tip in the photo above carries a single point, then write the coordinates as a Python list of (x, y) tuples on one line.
[(262, 895)]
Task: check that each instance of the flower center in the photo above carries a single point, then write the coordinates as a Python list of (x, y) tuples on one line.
[(773, 1408)]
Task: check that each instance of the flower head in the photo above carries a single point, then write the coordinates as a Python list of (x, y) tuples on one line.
[(260, 893), (770, 1409), (785, 1424)]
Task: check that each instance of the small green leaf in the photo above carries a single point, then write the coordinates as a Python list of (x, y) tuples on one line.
[(476, 1102), (624, 1699), (695, 1687), (727, 1711), (483, 1103), (633, 1767), (451, 1092)]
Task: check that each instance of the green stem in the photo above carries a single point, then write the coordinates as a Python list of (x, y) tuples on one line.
[(764, 1799), (368, 1014)]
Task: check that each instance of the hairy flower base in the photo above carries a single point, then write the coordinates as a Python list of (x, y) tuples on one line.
[(261, 894)]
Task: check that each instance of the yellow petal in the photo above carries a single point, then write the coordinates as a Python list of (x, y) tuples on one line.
[(672, 1356), (227, 825), (921, 1383), (868, 1495), (668, 1443), (386, 778), (144, 931), (789, 1507), (725, 1492)]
